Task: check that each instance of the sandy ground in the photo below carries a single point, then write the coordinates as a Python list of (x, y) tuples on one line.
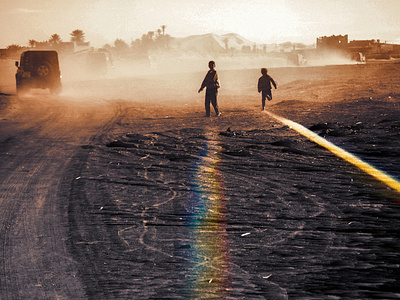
[(121, 189)]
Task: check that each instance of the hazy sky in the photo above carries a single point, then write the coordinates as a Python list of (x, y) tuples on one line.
[(261, 21)]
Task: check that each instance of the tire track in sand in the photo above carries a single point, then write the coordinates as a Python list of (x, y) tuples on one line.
[(35, 262)]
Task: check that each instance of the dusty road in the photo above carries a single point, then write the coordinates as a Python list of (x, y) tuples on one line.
[(106, 196), (40, 136)]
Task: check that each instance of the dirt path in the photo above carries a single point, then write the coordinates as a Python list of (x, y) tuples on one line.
[(103, 199), (38, 138)]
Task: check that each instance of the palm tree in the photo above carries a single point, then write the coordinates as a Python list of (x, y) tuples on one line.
[(163, 29), (32, 43), (150, 35), (55, 39), (13, 47), (107, 47), (77, 36), (120, 45)]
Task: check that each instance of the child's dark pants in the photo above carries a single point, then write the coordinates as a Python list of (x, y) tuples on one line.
[(266, 94), (211, 97)]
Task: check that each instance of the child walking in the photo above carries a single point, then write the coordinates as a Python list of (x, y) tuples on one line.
[(212, 84), (264, 86)]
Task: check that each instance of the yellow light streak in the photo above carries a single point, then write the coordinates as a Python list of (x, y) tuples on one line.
[(351, 158)]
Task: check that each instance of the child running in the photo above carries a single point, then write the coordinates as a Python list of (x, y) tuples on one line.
[(264, 86)]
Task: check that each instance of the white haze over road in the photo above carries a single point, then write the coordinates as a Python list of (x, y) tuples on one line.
[(103, 21)]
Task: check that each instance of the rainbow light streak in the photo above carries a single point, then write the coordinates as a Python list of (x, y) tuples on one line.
[(366, 167), (209, 263)]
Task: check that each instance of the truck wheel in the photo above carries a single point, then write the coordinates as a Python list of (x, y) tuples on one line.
[(44, 70)]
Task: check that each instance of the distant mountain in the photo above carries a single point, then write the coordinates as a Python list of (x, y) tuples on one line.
[(211, 42), (214, 43)]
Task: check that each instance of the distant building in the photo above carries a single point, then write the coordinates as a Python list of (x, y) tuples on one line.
[(3, 53), (338, 42), (367, 48), (65, 47), (371, 48), (13, 53)]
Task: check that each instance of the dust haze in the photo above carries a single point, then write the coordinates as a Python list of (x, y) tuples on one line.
[(107, 174), (164, 77), (172, 77)]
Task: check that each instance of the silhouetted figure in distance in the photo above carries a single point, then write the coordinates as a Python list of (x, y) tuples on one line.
[(264, 86), (212, 84)]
